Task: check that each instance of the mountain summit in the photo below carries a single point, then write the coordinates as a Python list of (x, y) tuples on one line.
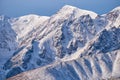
[(68, 11)]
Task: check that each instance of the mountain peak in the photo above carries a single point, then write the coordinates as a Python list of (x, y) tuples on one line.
[(67, 11), (68, 7)]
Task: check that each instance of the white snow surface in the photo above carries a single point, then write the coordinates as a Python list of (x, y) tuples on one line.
[(25, 24)]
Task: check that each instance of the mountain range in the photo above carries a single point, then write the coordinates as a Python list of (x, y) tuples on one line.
[(73, 44)]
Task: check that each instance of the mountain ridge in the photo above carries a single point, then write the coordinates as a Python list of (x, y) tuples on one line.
[(70, 33)]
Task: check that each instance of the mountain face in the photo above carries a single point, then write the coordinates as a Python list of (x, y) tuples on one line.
[(13, 32), (8, 43), (73, 44)]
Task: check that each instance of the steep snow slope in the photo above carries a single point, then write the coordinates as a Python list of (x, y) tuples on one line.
[(113, 18), (13, 32), (74, 12), (7, 39), (96, 62), (24, 25), (64, 37), (63, 24), (8, 42)]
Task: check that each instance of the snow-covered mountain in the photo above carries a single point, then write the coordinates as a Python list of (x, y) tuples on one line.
[(73, 44), (92, 63), (13, 32)]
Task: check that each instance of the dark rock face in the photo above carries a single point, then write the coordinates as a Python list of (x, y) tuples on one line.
[(17, 51), (87, 22), (27, 58), (108, 40), (113, 15), (38, 62), (82, 26), (7, 65), (13, 72)]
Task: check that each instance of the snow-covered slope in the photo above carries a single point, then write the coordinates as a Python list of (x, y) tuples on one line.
[(24, 25), (57, 37), (70, 45), (99, 60), (13, 31), (113, 18), (7, 39)]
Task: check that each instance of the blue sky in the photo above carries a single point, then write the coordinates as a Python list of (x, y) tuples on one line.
[(16, 8)]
